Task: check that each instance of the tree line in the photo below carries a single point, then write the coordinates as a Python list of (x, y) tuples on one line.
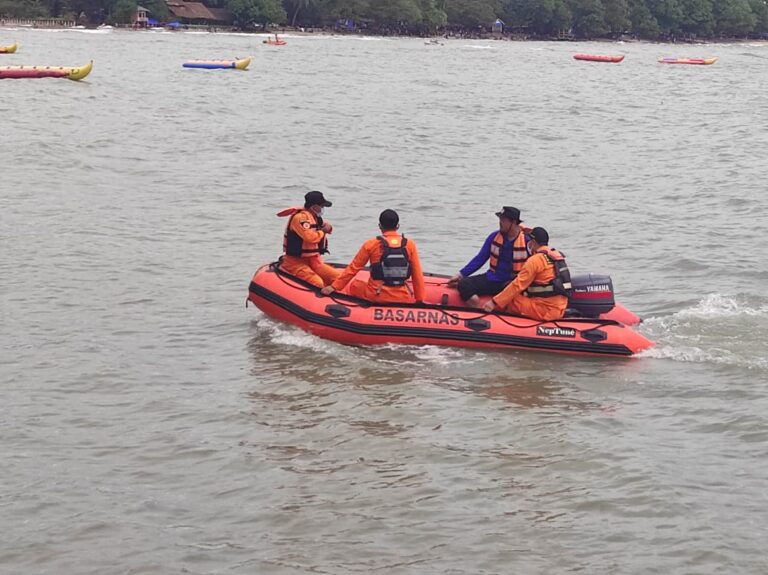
[(583, 19)]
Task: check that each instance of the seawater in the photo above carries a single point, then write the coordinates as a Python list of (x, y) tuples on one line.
[(152, 424)]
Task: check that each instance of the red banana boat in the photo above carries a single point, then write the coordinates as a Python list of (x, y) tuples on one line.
[(599, 58), (446, 320)]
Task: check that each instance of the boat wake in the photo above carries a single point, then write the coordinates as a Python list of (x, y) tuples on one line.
[(719, 329), (277, 335)]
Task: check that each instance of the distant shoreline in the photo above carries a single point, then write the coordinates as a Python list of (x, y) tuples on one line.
[(48, 24)]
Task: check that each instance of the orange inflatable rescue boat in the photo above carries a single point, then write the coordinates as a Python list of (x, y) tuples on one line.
[(594, 325)]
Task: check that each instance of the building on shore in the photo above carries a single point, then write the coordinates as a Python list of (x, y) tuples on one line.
[(140, 17), (197, 13)]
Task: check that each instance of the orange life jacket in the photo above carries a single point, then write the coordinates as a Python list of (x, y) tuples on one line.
[(293, 244), (519, 251), (560, 284)]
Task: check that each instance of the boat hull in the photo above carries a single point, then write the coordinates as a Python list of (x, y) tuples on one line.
[(352, 321)]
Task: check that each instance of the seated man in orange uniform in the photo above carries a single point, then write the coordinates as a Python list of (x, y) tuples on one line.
[(393, 259), (541, 288), (305, 240)]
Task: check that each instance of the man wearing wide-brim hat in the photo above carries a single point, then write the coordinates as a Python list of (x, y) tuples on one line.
[(507, 250)]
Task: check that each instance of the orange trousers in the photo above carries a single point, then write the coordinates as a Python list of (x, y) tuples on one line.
[(541, 308), (364, 290), (313, 270)]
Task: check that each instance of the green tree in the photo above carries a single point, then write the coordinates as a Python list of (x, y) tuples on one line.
[(537, 15), (697, 17), (246, 13), (122, 11), (343, 9), (472, 13), (734, 17), (616, 16), (668, 15), (643, 23), (396, 11), (543, 17), (293, 7), (760, 10), (158, 9), (562, 19), (23, 9), (432, 16), (588, 18)]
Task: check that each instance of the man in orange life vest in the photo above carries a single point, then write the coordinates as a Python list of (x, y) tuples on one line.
[(507, 250), (393, 259), (305, 241), (540, 290)]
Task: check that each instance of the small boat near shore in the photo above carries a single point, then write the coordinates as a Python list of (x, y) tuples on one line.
[(693, 61), (274, 41), (593, 329), (10, 49), (68, 72), (239, 64), (599, 58)]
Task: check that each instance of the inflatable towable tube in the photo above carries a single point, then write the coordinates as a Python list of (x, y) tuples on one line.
[(599, 58), (71, 73), (694, 61), (352, 321), (240, 64)]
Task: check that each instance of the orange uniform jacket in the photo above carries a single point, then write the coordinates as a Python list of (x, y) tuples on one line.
[(371, 251), (536, 269), (302, 223)]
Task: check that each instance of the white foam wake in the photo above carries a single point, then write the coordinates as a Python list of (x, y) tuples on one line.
[(719, 329), (718, 305)]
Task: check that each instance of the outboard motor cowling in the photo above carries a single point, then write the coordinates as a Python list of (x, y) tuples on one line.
[(592, 295)]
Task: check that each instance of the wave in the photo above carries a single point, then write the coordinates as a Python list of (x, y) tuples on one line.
[(718, 329), (718, 305), (292, 337), (274, 336)]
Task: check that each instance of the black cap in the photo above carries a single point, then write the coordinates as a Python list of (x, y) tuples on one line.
[(388, 219), (316, 199), (510, 213), (540, 235)]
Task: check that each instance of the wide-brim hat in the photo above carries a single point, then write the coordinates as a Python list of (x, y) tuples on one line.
[(510, 213)]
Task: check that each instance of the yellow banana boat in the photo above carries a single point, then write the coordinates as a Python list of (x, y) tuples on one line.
[(69, 72), (694, 61), (8, 49), (239, 64)]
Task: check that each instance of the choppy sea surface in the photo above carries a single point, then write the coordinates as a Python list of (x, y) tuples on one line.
[(152, 424)]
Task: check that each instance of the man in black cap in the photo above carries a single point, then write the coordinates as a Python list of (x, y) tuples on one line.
[(305, 240), (506, 248), (540, 291)]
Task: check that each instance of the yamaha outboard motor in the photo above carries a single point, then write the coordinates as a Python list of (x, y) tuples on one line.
[(592, 295)]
